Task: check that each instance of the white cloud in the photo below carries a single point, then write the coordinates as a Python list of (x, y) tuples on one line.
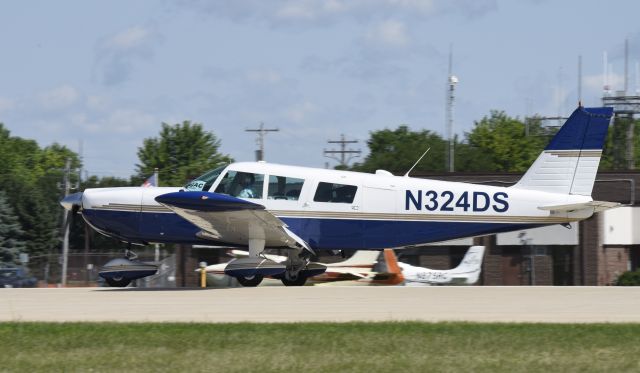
[(389, 33), (95, 102), (120, 121), (58, 98), (116, 55), (299, 113), (130, 38), (6, 104), (263, 76), (279, 13)]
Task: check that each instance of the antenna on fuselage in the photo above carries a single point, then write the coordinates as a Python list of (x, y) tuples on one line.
[(418, 161)]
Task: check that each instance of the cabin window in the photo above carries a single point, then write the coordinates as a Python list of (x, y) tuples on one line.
[(241, 184), (283, 187), (205, 181), (337, 193)]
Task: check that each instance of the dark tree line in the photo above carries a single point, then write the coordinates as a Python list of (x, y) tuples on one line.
[(496, 143)]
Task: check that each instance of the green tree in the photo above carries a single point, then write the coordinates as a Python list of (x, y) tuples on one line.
[(614, 155), (30, 177), (11, 234), (501, 143), (397, 150), (182, 152)]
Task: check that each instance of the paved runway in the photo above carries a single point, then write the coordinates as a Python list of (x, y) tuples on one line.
[(280, 304)]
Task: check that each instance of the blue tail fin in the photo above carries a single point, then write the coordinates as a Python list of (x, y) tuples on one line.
[(570, 162)]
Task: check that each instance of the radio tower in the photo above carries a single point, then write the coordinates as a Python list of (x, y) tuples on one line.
[(452, 80), (625, 104)]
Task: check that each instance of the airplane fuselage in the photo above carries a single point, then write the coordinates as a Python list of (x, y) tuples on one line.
[(333, 209)]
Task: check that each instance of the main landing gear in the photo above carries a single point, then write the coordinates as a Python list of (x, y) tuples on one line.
[(250, 281), (252, 270)]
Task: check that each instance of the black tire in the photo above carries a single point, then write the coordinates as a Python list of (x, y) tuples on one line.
[(118, 282), (252, 281), (298, 281)]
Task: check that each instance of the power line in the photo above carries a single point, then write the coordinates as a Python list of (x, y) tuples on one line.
[(261, 133)]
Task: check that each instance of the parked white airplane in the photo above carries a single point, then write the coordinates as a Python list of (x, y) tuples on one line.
[(260, 205), (358, 266), (466, 273)]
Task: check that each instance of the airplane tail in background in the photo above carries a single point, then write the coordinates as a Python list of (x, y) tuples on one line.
[(471, 262), (569, 164)]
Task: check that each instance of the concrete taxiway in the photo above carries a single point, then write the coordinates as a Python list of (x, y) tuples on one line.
[(336, 304)]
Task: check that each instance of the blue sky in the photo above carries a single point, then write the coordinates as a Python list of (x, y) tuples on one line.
[(108, 73)]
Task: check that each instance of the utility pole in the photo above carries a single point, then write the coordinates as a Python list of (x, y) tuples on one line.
[(156, 247), (261, 133), (344, 160), (65, 225)]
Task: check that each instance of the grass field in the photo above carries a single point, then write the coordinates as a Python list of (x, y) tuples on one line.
[(352, 347)]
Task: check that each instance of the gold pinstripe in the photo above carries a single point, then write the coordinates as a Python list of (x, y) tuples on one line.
[(575, 153), (419, 217)]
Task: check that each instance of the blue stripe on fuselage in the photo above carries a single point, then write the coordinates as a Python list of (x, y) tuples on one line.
[(322, 234)]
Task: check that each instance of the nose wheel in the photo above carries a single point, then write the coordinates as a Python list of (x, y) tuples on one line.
[(118, 282)]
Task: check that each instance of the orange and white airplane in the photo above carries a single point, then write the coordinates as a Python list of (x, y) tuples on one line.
[(397, 273)]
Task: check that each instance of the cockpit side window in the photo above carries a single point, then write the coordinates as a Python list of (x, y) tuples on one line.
[(205, 181), (284, 187), (241, 184), (336, 193)]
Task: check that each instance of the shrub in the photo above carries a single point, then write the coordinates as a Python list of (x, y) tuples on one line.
[(629, 279)]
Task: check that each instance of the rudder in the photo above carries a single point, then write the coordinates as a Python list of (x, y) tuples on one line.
[(569, 164)]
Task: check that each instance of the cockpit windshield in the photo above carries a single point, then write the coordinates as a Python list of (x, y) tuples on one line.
[(205, 181)]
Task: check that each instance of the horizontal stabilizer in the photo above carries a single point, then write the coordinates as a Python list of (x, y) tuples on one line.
[(596, 205)]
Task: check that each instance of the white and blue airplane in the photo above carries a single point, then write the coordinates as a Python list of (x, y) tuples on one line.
[(258, 205)]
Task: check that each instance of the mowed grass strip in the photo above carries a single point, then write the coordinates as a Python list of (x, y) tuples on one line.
[(319, 347)]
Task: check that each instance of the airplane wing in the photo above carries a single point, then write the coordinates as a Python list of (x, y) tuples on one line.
[(596, 205), (231, 220)]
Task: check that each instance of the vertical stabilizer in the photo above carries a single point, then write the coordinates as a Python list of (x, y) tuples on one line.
[(472, 261), (569, 164)]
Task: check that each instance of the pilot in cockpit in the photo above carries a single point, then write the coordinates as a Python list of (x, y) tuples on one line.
[(246, 182)]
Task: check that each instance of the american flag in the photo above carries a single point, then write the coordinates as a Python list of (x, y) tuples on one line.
[(150, 182)]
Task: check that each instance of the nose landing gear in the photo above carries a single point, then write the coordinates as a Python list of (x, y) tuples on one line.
[(121, 271)]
